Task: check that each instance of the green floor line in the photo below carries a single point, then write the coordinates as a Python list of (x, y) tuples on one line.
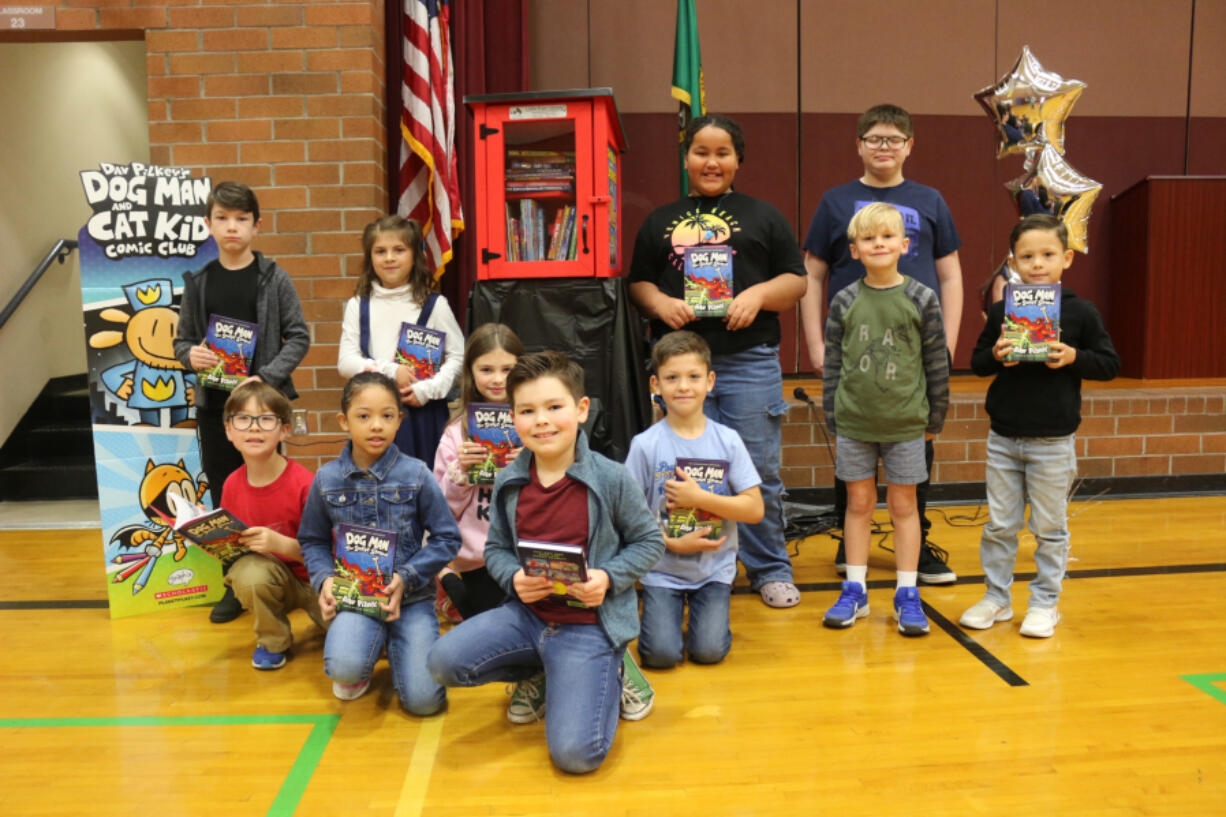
[(295, 783), (1208, 683)]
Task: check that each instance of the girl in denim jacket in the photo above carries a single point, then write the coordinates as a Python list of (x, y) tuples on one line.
[(372, 484)]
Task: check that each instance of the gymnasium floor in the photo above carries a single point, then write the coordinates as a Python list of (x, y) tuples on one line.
[(1123, 712)]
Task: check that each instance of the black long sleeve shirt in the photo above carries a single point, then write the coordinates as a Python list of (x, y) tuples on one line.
[(1031, 400)]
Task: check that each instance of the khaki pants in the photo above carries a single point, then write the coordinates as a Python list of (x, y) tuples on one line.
[(269, 589)]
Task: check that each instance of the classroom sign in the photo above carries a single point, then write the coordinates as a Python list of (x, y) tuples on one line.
[(146, 231)]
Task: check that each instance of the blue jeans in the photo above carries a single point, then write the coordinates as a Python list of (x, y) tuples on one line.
[(748, 397), (582, 673), (709, 636), (355, 641), (1041, 469)]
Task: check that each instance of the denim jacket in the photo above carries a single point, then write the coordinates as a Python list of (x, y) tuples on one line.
[(399, 494), (624, 539)]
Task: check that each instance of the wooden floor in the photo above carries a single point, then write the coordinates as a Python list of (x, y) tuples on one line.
[(1123, 712)]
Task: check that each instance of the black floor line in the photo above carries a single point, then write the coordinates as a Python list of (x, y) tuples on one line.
[(975, 648), (56, 604)]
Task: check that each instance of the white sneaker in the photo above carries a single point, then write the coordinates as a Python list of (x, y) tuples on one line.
[(349, 692), (984, 614), (1040, 622)]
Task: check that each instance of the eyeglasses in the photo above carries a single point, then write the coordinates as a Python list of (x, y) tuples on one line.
[(244, 422), (878, 142)]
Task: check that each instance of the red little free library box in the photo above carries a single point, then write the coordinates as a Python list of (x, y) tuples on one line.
[(548, 184)]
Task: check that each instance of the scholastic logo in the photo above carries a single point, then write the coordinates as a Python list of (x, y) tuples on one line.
[(183, 591)]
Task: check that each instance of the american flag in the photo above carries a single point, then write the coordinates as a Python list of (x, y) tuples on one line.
[(429, 190)]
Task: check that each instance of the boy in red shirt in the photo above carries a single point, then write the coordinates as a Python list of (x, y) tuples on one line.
[(268, 493)]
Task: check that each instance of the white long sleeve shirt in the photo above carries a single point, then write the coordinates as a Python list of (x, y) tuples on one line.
[(388, 309)]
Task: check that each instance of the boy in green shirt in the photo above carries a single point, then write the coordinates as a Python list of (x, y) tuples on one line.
[(885, 389)]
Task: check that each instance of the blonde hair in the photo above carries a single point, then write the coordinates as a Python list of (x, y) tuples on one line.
[(871, 217)]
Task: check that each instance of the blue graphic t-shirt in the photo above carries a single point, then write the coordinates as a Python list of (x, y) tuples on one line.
[(652, 458), (926, 219)]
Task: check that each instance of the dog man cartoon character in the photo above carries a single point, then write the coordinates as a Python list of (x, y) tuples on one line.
[(154, 378), (154, 493)]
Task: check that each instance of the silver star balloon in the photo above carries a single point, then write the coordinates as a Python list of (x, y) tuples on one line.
[(1052, 185), (1029, 106)]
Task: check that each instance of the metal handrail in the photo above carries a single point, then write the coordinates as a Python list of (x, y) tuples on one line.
[(60, 252)]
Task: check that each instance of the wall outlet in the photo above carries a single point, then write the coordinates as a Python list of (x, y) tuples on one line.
[(299, 428)]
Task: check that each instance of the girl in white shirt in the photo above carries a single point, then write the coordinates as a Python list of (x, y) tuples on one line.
[(396, 287)]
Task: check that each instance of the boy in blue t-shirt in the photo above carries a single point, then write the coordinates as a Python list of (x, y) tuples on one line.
[(695, 569), (885, 136)]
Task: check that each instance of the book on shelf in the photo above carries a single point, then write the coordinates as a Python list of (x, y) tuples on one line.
[(707, 279), (1032, 320), (561, 564), (420, 349), (712, 475), (363, 557), (233, 341), (491, 425), (538, 235)]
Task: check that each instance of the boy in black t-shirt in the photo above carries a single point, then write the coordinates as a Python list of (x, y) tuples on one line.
[(243, 285)]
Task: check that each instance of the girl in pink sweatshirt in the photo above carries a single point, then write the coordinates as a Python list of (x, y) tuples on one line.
[(490, 353)]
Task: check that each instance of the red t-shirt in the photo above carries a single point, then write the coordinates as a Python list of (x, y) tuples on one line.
[(277, 505), (556, 514)]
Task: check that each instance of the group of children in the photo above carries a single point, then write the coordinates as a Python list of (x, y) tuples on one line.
[(884, 354)]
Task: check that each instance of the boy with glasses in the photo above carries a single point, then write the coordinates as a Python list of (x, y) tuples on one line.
[(267, 492), (885, 137)]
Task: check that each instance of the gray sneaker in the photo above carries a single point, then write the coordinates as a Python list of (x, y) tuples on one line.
[(527, 700), (637, 695)]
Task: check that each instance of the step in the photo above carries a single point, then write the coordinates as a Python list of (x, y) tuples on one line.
[(59, 438), (49, 478)]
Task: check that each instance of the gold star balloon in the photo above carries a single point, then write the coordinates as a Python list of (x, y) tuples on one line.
[(1052, 185), (1029, 106)]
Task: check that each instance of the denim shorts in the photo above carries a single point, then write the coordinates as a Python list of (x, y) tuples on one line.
[(857, 460)]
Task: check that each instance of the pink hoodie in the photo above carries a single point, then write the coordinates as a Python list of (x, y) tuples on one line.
[(470, 504)]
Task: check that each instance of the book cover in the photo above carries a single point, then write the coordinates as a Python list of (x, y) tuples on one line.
[(561, 564), (214, 532), (364, 558), (491, 425), (712, 475), (234, 342), (420, 349), (1032, 320), (708, 280)]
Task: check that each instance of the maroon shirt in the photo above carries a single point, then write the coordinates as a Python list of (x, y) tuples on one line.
[(556, 514)]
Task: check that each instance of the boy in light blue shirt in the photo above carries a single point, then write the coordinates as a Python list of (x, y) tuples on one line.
[(695, 569)]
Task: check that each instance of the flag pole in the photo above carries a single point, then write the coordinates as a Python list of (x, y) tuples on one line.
[(688, 87)]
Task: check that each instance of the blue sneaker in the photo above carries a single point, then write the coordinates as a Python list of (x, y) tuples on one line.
[(852, 604), (263, 659), (910, 611)]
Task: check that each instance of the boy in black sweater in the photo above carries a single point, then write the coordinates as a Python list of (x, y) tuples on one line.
[(1035, 410)]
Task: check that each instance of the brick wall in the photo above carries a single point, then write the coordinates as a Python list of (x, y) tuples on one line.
[(1132, 432), (289, 98)]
